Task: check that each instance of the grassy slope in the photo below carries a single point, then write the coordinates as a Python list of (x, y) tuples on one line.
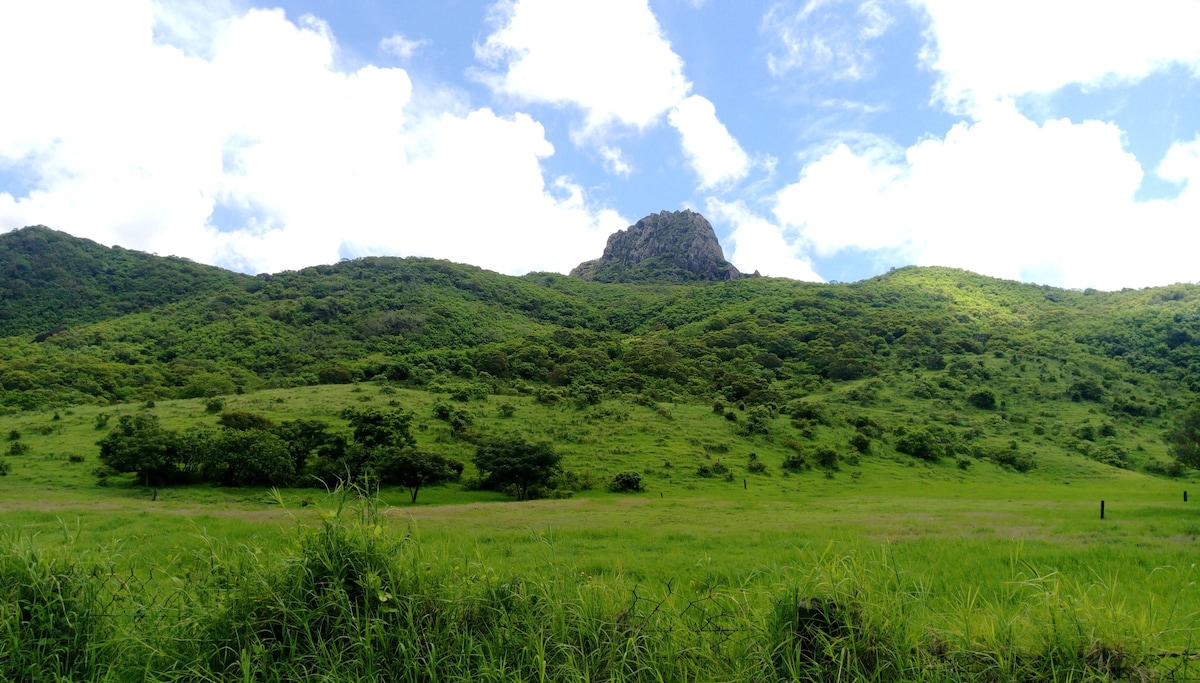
[(951, 531)]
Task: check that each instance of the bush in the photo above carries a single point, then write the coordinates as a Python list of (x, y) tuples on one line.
[(861, 443), (984, 399), (5, 468), (14, 435), (716, 469), (920, 443), (796, 462), (214, 405), (18, 448), (827, 458), (626, 482), (335, 374), (241, 420)]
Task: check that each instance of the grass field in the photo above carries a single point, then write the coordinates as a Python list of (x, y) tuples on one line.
[(913, 570)]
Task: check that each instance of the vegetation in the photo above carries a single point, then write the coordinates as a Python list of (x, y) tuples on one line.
[(896, 479)]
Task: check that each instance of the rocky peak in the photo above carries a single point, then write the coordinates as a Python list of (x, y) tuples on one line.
[(666, 246)]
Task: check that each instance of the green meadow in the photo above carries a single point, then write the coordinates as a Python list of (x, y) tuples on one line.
[(880, 567)]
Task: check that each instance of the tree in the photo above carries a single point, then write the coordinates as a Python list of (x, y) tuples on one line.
[(139, 444), (413, 469), (378, 429), (249, 457), (516, 463), (303, 438), (1183, 441)]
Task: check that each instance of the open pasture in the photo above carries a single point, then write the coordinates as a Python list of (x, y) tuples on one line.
[(935, 571)]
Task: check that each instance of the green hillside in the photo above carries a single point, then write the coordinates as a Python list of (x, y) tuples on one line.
[(895, 479), (50, 280), (1099, 373)]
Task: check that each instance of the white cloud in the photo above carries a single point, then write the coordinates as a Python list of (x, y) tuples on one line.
[(607, 57), (823, 36), (615, 161), (132, 141), (402, 47), (985, 51), (760, 245), (1005, 197), (712, 152)]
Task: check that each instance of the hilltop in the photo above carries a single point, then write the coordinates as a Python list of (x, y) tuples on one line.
[(678, 246)]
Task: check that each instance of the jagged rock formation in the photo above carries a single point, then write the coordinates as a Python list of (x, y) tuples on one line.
[(677, 246)]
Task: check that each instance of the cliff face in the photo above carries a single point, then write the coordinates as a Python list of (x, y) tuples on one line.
[(669, 246)]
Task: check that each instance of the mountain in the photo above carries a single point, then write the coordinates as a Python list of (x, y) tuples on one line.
[(50, 280), (937, 352), (671, 246)]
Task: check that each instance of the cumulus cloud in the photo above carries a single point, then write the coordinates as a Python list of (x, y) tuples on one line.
[(1007, 197), (830, 37), (610, 59), (607, 57), (712, 152), (984, 51), (252, 150), (761, 245)]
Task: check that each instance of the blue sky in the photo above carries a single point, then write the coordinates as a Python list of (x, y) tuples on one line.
[(1052, 141)]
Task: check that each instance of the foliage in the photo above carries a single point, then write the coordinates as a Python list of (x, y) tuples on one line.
[(413, 469), (242, 457), (516, 463), (374, 428), (139, 444), (984, 399), (921, 443), (1183, 440), (626, 482)]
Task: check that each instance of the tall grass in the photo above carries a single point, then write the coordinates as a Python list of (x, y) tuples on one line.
[(350, 598)]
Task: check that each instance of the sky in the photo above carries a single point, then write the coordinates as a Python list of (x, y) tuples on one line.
[(1048, 141)]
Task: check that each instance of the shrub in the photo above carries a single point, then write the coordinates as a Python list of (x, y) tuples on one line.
[(5, 468), (506, 410), (241, 420), (827, 458), (102, 420), (626, 482), (335, 374), (214, 405), (861, 442), (796, 462), (920, 443), (984, 399), (14, 435), (716, 469), (18, 448), (758, 421)]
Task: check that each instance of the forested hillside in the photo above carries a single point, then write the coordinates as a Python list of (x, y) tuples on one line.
[(87, 324)]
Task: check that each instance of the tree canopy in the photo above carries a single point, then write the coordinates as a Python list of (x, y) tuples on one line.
[(516, 463)]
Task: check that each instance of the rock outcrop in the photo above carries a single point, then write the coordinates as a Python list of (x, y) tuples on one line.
[(671, 246)]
